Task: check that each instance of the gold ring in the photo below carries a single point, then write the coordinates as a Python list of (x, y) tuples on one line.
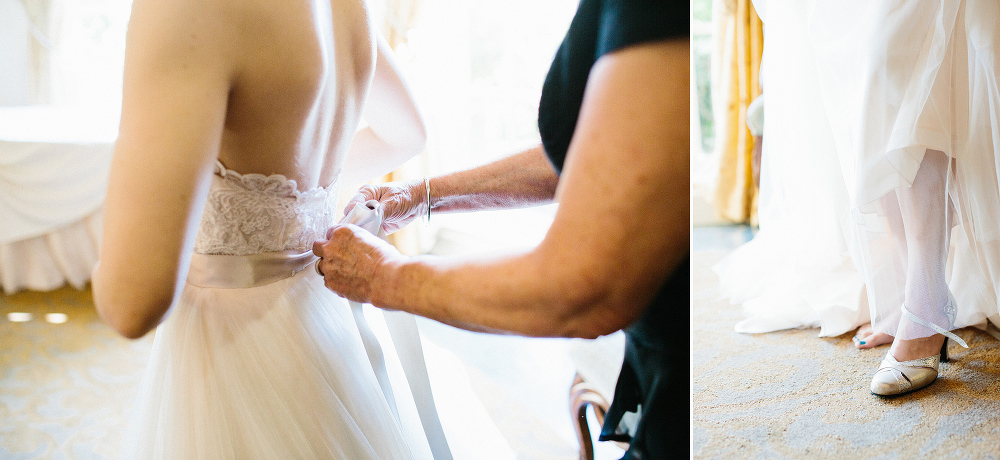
[(317, 268)]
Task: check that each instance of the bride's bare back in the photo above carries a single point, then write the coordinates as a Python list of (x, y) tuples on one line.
[(298, 93), (264, 86)]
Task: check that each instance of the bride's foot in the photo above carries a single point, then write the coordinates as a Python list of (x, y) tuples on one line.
[(906, 350), (910, 365), (867, 338)]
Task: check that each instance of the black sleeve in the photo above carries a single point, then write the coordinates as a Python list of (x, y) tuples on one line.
[(599, 27), (629, 22)]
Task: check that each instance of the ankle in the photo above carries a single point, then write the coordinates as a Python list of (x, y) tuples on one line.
[(907, 350)]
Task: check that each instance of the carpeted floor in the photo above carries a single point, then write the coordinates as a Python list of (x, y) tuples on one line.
[(65, 387), (791, 394)]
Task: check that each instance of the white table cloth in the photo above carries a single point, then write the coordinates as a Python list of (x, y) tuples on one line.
[(54, 164)]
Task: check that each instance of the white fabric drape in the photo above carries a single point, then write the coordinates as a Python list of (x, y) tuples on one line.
[(911, 93), (797, 271), (861, 94), (54, 166)]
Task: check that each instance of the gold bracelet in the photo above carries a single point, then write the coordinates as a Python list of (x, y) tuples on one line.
[(427, 188)]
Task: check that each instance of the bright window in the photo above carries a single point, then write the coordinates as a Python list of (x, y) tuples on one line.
[(477, 69)]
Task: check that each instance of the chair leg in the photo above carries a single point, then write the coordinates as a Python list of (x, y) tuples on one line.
[(582, 395)]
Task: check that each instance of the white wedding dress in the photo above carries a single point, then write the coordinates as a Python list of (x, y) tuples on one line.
[(856, 93), (272, 371)]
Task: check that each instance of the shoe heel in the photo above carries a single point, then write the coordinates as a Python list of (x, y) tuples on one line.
[(944, 351)]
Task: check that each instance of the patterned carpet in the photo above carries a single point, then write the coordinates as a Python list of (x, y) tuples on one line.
[(65, 387), (791, 394)]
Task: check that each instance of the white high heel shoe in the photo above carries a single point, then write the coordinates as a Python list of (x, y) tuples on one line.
[(895, 378)]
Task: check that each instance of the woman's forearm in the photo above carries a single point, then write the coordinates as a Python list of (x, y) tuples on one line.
[(548, 292), (520, 180)]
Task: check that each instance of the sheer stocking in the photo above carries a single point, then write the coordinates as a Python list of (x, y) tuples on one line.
[(924, 216)]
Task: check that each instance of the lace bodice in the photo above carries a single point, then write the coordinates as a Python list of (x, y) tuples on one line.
[(254, 213)]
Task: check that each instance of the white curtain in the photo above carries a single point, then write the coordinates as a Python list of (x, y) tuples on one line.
[(476, 69), (14, 46), (62, 52)]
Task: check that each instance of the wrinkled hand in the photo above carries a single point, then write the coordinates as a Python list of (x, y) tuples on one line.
[(350, 258), (401, 202)]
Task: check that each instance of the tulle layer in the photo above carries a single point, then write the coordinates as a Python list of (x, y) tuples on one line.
[(797, 271), (856, 94), (901, 79), (276, 371), (779, 289)]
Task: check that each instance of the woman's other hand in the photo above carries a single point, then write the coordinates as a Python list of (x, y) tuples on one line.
[(350, 260), (401, 202)]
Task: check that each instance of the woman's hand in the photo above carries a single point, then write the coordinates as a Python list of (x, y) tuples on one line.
[(401, 202), (350, 260)]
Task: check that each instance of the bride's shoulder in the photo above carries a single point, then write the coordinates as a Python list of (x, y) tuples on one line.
[(200, 32)]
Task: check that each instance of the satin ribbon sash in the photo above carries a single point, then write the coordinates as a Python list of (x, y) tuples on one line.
[(226, 271)]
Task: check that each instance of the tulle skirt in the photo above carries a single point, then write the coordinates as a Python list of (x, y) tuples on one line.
[(275, 371), (856, 94), (798, 270)]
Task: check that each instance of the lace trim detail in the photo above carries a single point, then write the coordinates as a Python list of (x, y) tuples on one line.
[(275, 183), (253, 213)]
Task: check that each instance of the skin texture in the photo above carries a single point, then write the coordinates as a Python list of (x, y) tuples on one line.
[(867, 338), (519, 180), (621, 229), (265, 88)]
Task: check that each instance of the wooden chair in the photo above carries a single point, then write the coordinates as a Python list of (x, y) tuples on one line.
[(581, 396)]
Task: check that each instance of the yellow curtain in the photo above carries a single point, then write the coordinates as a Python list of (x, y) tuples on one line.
[(740, 42)]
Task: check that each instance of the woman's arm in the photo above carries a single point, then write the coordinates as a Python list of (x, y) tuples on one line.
[(523, 179), (621, 229), (176, 84), (395, 131)]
